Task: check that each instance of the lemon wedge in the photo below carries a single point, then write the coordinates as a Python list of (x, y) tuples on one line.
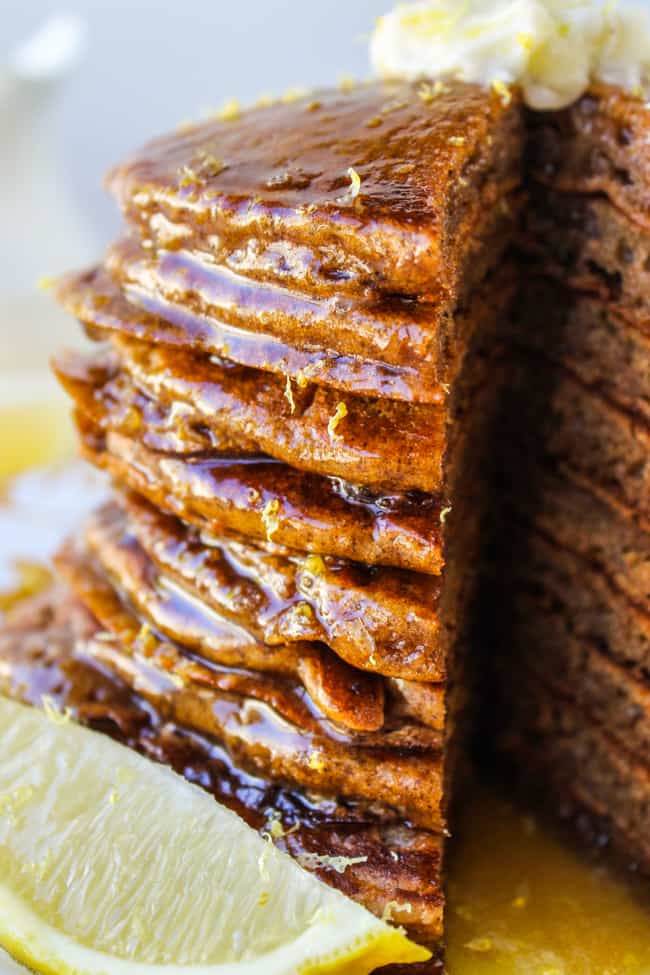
[(110, 863), (35, 426)]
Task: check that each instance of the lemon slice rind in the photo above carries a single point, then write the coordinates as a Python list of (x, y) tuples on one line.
[(339, 936), (40, 947)]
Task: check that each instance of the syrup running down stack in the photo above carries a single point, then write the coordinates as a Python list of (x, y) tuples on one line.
[(300, 355)]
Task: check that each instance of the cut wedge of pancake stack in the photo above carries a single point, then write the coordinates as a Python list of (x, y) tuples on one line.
[(300, 354)]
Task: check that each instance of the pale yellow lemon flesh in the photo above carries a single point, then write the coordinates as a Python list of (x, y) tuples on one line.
[(110, 863)]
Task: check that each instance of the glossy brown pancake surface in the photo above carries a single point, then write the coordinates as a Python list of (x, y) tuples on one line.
[(382, 620), (183, 402), (428, 168), (263, 499), (380, 345), (96, 300)]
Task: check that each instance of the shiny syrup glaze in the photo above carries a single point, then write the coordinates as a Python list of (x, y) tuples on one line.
[(401, 332), (376, 618), (263, 719), (427, 169), (386, 328), (230, 636), (520, 904), (259, 497), (45, 653), (97, 301), (527, 899), (181, 666), (347, 696), (184, 403)]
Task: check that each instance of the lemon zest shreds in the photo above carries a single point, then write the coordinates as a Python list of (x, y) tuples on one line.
[(352, 193), (229, 111), (176, 680), (288, 395), (391, 907), (53, 713), (346, 83), (340, 414), (209, 164), (187, 177), (428, 92), (147, 640), (276, 829), (501, 89), (270, 518), (293, 95), (444, 513), (457, 140), (314, 564), (46, 282), (316, 762), (340, 864), (303, 611), (262, 859)]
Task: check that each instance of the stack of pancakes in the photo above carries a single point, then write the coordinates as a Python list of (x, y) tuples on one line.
[(314, 407), (575, 650), (300, 357)]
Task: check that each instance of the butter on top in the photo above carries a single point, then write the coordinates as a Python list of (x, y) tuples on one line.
[(551, 49)]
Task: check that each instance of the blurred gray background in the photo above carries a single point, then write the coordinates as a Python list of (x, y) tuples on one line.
[(150, 64)]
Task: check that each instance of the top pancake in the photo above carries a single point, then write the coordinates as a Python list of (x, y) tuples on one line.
[(431, 165)]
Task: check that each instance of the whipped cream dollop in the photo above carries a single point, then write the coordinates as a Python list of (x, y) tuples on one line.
[(551, 49)]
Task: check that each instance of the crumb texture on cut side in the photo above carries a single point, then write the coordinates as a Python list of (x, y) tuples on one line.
[(572, 623)]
